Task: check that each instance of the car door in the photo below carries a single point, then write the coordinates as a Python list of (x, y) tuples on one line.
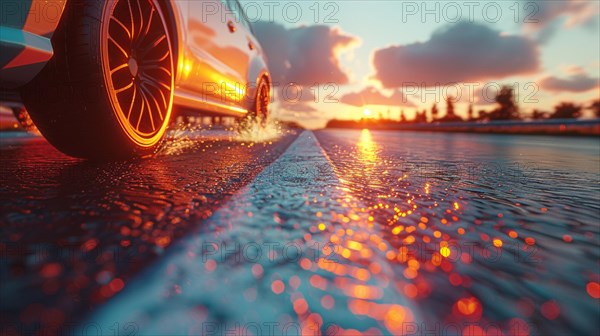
[(216, 63)]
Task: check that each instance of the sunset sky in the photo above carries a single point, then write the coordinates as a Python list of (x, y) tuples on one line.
[(374, 50)]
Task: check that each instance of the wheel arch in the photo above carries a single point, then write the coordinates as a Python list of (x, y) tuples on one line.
[(257, 71)]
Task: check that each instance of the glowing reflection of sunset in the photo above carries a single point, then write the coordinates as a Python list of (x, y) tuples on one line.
[(403, 218), (367, 149)]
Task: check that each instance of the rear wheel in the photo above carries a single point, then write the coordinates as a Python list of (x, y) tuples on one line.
[(259, 107), (108, 90), (262, 101)]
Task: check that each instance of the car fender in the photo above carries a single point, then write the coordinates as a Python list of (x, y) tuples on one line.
[(256, 70)]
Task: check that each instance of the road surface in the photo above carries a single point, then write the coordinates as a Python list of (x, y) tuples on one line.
[(333, 232)]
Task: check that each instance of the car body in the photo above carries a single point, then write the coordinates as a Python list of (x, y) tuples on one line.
[(205, 57)]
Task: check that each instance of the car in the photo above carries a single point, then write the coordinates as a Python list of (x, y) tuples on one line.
[(101, 79)]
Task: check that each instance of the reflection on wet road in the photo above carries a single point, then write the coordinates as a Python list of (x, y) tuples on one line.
[(497, 234), (74, 232), (342, 232)]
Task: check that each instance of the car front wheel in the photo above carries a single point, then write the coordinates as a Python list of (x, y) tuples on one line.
[(108, 90)]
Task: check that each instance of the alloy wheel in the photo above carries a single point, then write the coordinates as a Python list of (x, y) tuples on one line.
[(137, 62)]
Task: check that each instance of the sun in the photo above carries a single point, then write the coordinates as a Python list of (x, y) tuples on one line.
[(367, 112)]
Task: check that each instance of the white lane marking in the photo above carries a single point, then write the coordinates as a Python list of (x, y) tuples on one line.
[(267, 238)]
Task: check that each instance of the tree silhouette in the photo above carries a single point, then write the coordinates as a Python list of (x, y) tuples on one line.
[(450, 115), (507, 108), (595, 107), (537, 115), (566, 110), (434, 112), (450, 107), (470, 115), (420, 117), (402, 116), (483, 115)]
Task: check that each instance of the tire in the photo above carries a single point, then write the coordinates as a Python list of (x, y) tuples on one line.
[(259, 109), (108, 90)]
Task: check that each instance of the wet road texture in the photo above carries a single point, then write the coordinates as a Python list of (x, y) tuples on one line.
[(331, 232)]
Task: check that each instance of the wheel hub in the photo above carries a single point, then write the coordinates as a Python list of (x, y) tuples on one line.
[(133, 66)]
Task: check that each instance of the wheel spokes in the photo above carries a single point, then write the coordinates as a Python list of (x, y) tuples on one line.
[(158, 60), (137, 126), (122, 66), (140, 44), (125, 88), (119, 47), (162, 96), (122, 25), (132, 102), (155, 101), (148, 107), (131, 18), (156, 42), (147, 30), (161, 68)]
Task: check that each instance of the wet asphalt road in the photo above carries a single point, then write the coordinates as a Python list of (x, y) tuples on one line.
[(331, 231), (73, 229)]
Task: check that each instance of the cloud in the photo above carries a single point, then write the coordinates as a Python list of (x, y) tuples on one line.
[(544, 18), (578, 82), (298, 107), (458, 53), (372, 96), (304, 55), (295, 98), (573, 70)]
